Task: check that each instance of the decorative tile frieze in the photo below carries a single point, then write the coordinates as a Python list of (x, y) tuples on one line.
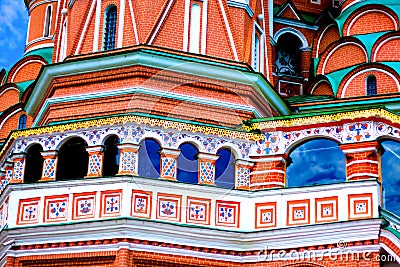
[(56, 208), (111, 203), (141, 204), (28, 211), (169, 207), (265, 215), (198, 210), (298, 212), (227, 213), (84, 206), (360, 206), (326, 209)]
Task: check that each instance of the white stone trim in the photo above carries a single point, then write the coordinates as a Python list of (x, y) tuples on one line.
[(38, 47), (267, 171), (186, 23), (204, 28), (362, 174), (266, 183), (228, 29), (367, 11), (121, 23), (133, 22), (160, 22), (357, 150), (85, 27), (294, 32), (9, 115), (96, 34), (362, 161)]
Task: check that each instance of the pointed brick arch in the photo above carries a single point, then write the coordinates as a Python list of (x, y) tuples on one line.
[(325, 36)]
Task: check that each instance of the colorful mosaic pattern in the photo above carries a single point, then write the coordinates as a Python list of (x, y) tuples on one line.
[(128, 162), (298, 212), (207, 172), (168, 167), (198, 210), (227, 213), (28, 211), (19, 166), (9, 174), (95, 163), (265, 215), (169, 207), (326, 209), (49, 168), (56, 208), (141, 204), (84, 206), (111, 203), (242, 177), (360, 206)]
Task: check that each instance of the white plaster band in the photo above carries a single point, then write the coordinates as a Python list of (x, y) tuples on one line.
[(362, 161), (362, 174)]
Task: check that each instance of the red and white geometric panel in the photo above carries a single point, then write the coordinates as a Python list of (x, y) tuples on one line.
[(169, 207), (110, 205), (227, 213), (360, 206), (198, 210), (298, 212), (326, 209), (56, 208), (28, 211), (84, 206), (141, 204), (265, 215)]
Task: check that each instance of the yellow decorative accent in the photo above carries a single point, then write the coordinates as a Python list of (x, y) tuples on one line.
[(317, 119)]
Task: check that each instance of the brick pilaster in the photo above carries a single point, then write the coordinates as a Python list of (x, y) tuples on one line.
[(95, 168), (128, 159), (169, 163), (269, 172), (49, 165), (362, 160), (207, 168)]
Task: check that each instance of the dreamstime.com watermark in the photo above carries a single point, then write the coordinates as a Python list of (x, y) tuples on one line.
[(339, 253)]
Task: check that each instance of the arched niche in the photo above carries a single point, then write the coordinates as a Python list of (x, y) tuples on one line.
[(314, 162), (288, 54), (72, 159), (34, 164), (390, 166), (111, 156), (188, 169), (225, 168), (149, 158)]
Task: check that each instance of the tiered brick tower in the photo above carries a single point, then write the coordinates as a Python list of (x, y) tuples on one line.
[(159, 132)]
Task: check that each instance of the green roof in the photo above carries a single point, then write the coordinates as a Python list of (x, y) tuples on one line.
[(23, 85), (308, 99), (46, 53), (392, 4)]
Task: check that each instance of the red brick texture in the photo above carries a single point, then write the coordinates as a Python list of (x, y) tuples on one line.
[(340, 55), (268, 172), (368, 19), (322, 88), (324, 38), (356, 81), (361, 165), (387, 49)]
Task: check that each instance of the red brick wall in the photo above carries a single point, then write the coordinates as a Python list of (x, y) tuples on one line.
[(370, 21), (345, 56), (358, 85), (8, 97), (329, 36), (37, 20), (28, 72), (389, 51), (323, 88)]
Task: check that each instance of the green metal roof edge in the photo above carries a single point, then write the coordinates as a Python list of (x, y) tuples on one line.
[(46, 53), (393, 231), (23, 85), (311, 114), (370, 39), (140, 114), (341, 19), (147, 57)]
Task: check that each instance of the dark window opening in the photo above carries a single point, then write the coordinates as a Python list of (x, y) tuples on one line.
[(371, 85), (187, 164), (22, 122), (149, 159), (111, 156), (110, 28), (225, 169), (73, 160), (47, 22), (288, 55), (34, 164)]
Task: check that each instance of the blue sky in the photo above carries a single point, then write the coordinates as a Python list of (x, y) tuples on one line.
[(325, 163), (13, 26)]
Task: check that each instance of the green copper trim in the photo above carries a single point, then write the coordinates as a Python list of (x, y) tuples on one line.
[(46, 53), (148, 58)]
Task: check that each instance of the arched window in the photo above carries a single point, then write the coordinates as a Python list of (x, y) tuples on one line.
[(34, 164), (288, 55), (111, 156), (47, 22), (73, 159), (187, 164), (110, 28), (22, 122), (149, 158), (195, 18), (371, 85), (225, 169)]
